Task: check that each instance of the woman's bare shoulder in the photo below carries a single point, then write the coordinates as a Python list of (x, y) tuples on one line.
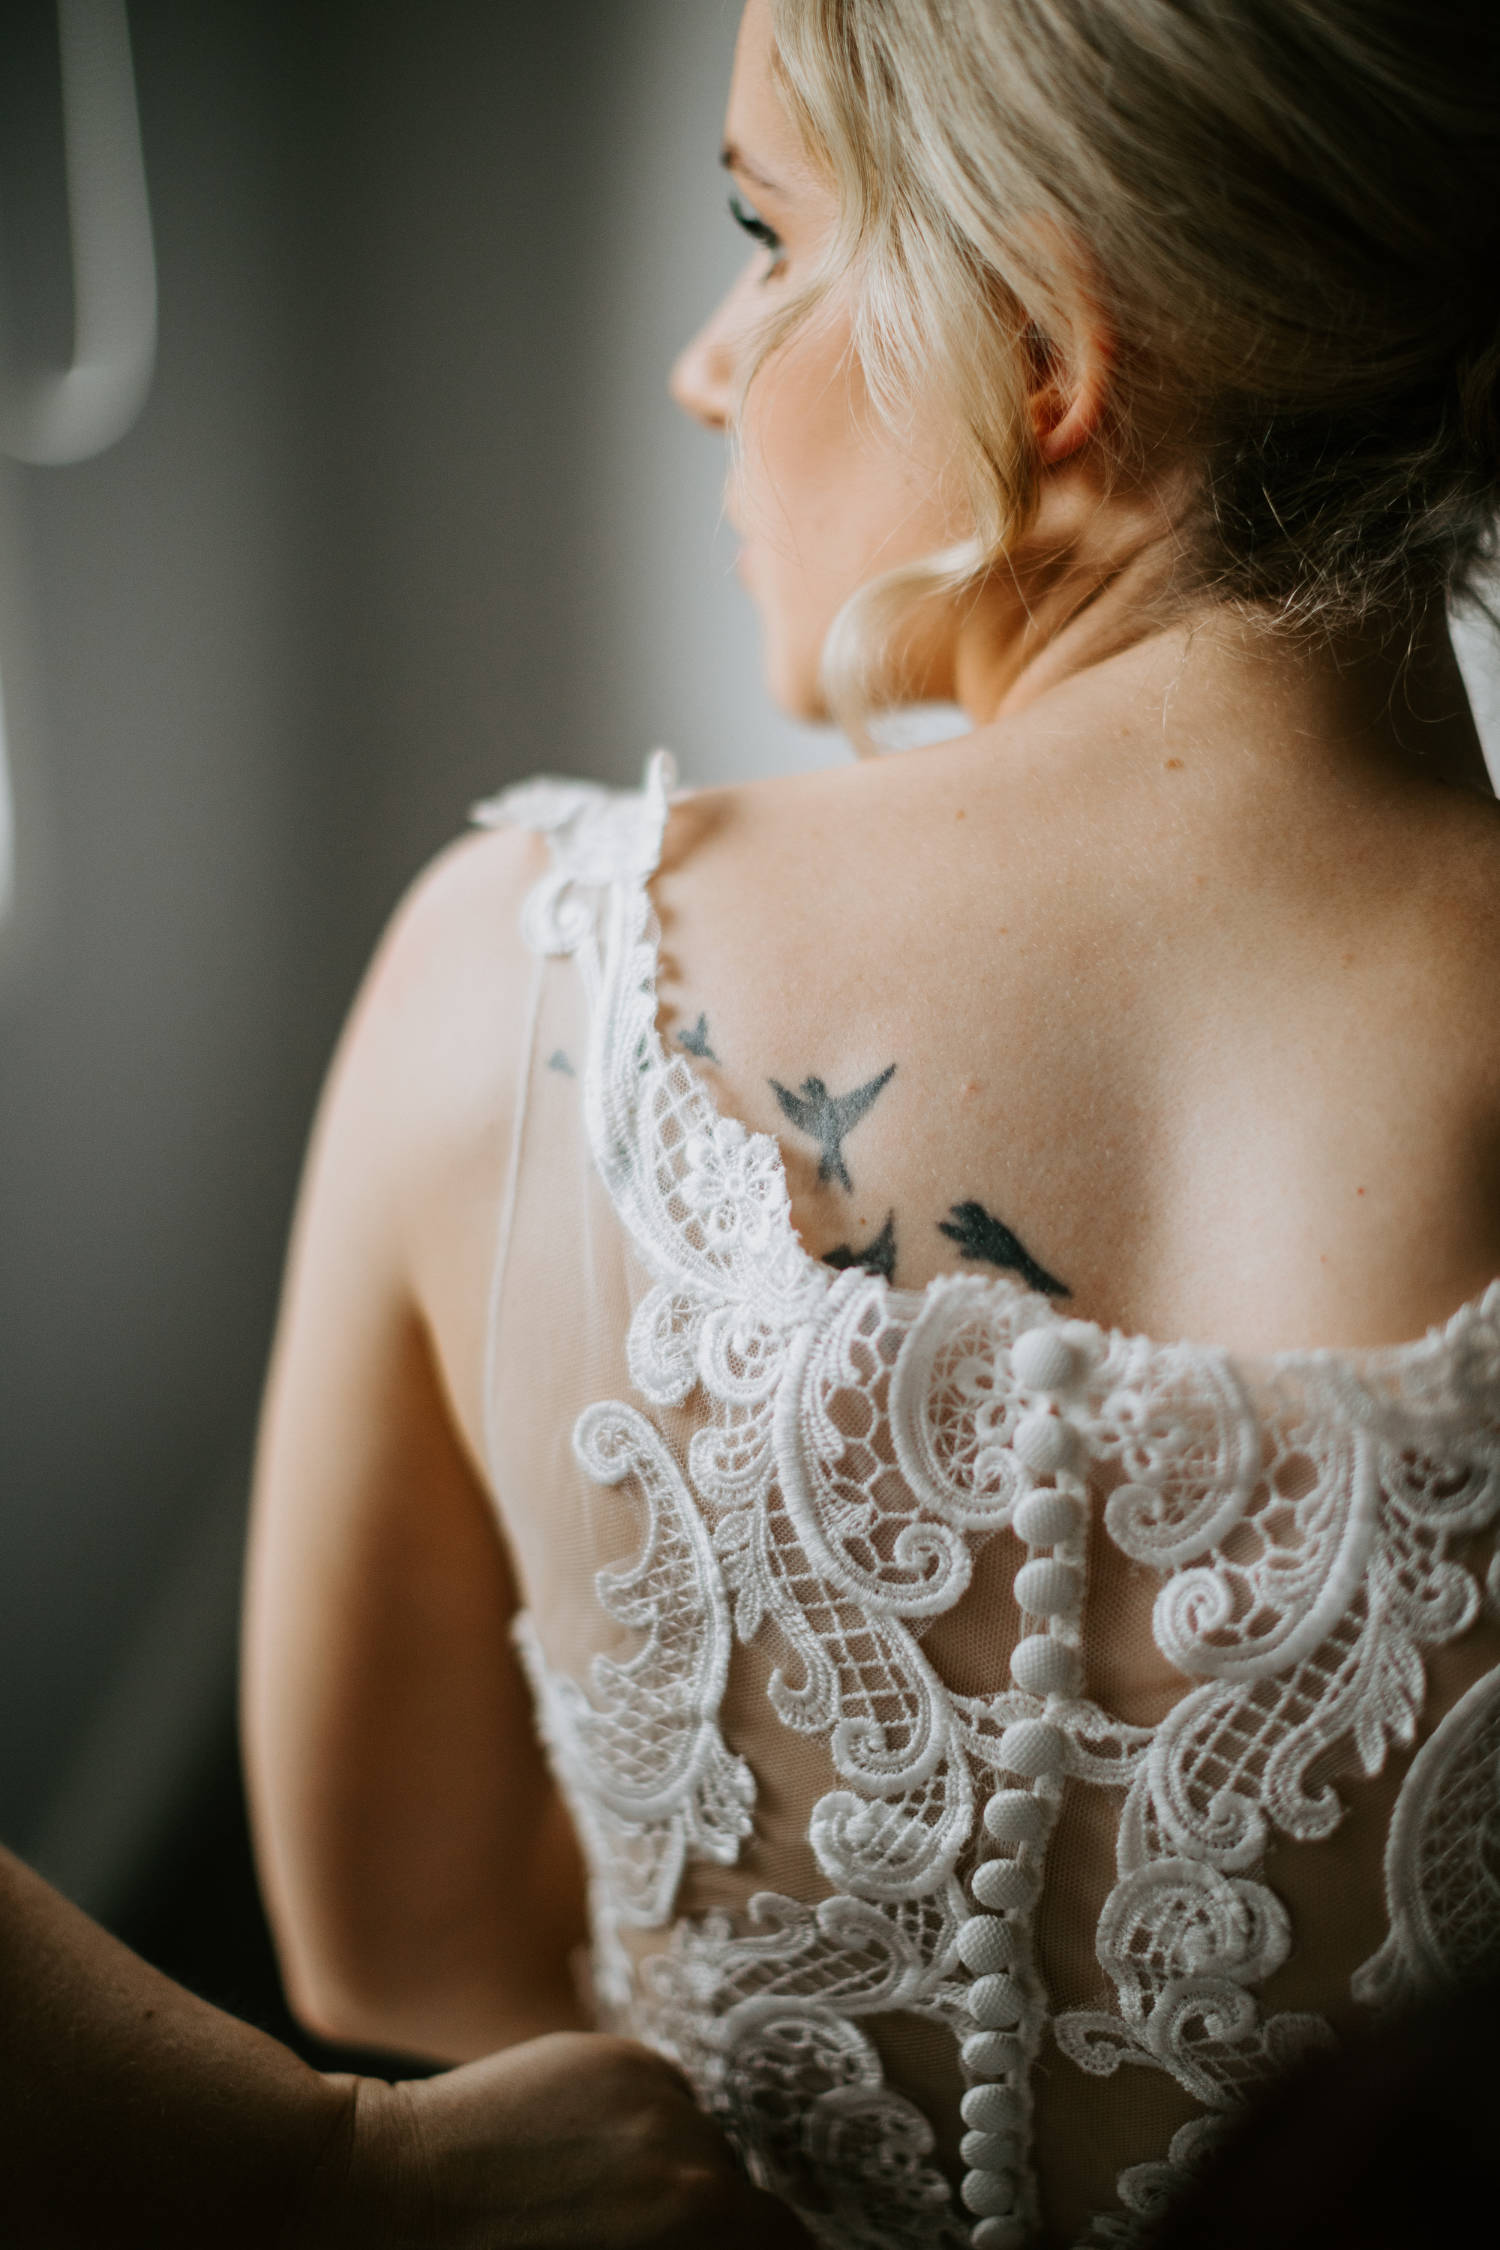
[(459, 917), (447, 981), (428, 1066)]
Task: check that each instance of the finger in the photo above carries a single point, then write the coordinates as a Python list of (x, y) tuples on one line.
[(642, 2065)]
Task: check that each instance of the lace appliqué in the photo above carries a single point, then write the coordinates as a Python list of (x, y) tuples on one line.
[(861, 1443), (1303, 1541), (796, 2082), (1147, 2191), (648, 1776), (1442, 1869)]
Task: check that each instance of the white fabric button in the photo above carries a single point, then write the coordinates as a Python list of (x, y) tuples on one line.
[(1045, 1519), (990, 2152), (1004, 1884), (1043, 1360), (991, 2195), (995, 2002), (999, 2234), (991, 2054), (1047, 1587), (1044, 1442), (991, 2109), (1034, 1747), (985, 1944), (1044, 1666), (1014, 1816)]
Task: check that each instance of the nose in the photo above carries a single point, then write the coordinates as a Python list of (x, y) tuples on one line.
[(703, 375)]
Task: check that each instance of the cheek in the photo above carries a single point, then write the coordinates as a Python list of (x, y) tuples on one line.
[(826, 499)]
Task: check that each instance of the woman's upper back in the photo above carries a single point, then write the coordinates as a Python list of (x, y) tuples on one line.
[(1202, 1018), (768, 1514), (1198, 1006)]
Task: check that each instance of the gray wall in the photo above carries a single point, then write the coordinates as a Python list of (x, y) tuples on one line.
[(407, 515)]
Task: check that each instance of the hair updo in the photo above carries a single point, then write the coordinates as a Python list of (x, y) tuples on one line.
[(1290, 213)]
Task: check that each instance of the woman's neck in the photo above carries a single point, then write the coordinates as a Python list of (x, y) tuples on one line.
[(1102, 616)]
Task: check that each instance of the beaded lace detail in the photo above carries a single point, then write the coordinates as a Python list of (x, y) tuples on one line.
[(858, 1445)]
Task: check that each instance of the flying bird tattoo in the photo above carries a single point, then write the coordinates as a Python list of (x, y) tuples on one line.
[(828, 1118), (696, 1041), (980, 1235), (878, 1256)]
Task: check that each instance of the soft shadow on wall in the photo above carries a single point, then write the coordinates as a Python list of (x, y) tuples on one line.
[(407, 515)]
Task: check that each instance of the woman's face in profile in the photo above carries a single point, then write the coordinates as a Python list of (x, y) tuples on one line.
[(823, 495)]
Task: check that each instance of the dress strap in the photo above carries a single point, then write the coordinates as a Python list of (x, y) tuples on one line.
[(596, 837)]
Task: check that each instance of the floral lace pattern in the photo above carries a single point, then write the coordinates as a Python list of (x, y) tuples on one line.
[(859, 1445), (1442, 1877), (647, 1766)]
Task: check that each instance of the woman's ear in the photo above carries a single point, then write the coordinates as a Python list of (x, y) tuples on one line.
[(1073, 349), (1071, 384)]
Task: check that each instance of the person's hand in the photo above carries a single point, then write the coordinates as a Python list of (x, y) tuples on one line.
[(576, 2141)]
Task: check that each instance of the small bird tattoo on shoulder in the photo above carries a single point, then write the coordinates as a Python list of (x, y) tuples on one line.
[(695, 1040), (829, 1118), (980, 1235), (878, 1256)]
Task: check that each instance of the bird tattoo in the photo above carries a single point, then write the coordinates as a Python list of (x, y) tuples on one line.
[(980, 1235), (878, 1256), (828, 1118), (696, 1041)]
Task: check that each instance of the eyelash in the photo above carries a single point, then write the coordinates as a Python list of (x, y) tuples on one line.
[(757, 229)]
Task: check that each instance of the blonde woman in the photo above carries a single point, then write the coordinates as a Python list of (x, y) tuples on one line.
[(931, 1325)]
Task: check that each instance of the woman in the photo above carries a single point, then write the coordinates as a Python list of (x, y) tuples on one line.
[(993, 1741)]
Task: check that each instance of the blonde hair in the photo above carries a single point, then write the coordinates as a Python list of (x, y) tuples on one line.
[(1290, 216)]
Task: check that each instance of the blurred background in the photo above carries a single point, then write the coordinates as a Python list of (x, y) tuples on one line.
[(406, 515)]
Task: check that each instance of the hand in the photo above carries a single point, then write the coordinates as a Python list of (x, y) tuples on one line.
[(576, 2141)]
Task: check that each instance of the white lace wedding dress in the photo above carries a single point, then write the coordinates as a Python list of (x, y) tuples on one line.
[(820, 1575)]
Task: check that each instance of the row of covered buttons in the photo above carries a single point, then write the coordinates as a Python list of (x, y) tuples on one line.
[(993, 1944)]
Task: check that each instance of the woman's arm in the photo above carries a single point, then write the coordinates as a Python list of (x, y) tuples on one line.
[(132, 2113), (135, 2117), (421, 1876)]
